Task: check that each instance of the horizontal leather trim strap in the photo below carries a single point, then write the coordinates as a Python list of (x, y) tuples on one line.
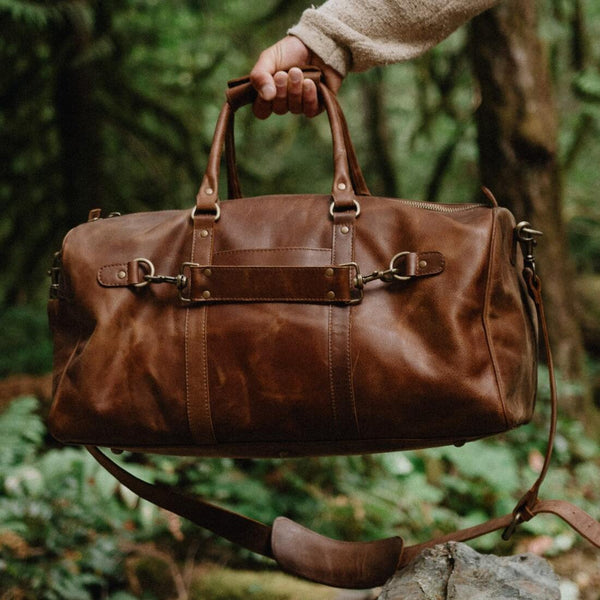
[(270, 284), (326, 284)]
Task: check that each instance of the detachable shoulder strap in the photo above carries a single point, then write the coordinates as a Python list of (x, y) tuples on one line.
[(359, 565)]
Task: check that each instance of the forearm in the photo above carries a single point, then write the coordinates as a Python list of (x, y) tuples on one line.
[(355, 35)]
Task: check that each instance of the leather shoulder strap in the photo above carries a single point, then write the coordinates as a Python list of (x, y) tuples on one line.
[(302, 552)]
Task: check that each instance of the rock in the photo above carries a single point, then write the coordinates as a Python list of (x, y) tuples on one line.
[(455, 571)]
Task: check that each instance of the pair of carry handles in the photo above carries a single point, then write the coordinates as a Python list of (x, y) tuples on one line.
[(348, 180), (298, 550)]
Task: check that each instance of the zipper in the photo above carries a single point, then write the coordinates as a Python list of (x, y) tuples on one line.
[(443, 208)]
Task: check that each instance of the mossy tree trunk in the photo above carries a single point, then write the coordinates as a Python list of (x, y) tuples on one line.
[(517, 137)]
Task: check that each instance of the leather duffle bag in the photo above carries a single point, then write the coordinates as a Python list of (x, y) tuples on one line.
[(298, 325)]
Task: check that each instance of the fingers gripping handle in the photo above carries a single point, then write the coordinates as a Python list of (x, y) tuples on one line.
[(241, 92)]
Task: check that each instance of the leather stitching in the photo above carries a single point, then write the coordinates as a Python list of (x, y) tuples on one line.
[(349, 346), (330, 340), (106, 268), (270, 250), (486, 310), (186, 346)]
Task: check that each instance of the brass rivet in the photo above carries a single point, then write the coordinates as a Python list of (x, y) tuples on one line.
[(345, 229), (341, 185), (209, 191), (207, 272), (206, 294), (121, 274), (204, 233), (330, 295), (329, 272), (422, 264)]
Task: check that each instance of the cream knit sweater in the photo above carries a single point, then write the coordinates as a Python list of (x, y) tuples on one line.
[(354, 35)]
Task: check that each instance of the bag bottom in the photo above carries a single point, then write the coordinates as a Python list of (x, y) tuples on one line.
[(299, 449)]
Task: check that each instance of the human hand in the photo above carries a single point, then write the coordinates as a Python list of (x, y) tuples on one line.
[(281, 84)]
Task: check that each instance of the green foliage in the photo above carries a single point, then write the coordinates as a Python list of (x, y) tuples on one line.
[(25, 344), (63, 520), (227, 584), (68, 530)]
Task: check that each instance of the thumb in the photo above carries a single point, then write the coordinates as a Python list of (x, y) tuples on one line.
[(261, 75)]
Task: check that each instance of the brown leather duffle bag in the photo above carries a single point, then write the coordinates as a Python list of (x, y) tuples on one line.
[(298, 325)]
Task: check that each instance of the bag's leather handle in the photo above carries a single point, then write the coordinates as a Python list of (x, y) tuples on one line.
[(241, 92), (343, 193), (302, 552)]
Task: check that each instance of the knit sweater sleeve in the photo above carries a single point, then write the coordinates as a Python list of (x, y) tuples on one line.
[(355, 35)]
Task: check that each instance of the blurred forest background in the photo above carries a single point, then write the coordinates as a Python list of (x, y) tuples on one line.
[(112, 105)]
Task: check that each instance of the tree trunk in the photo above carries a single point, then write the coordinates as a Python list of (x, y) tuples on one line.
[(78, 121), (381, 163), (517, 136)]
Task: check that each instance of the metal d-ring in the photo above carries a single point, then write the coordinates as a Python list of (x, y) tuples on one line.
[(217, 212), (356, 207), (392, 268), (150, 273)]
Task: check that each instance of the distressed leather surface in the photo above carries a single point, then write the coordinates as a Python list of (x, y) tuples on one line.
[(429, 360)]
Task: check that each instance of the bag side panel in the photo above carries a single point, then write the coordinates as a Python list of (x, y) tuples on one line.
[(123, 381), (511, 324), (422, 367)]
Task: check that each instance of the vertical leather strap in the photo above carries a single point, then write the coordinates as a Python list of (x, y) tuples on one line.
[(197, 393), (340, 323), (525, 508)]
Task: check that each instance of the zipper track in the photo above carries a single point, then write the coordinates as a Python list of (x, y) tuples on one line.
[(443, 208)]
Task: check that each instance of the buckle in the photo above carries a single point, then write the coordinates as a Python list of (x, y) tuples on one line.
[(180, 281), (55, 276), (389, 275), (148, 266), (183, 279), (516, 521), (526, 236)]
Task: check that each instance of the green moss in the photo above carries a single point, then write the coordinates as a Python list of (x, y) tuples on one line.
[(227, 584)]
